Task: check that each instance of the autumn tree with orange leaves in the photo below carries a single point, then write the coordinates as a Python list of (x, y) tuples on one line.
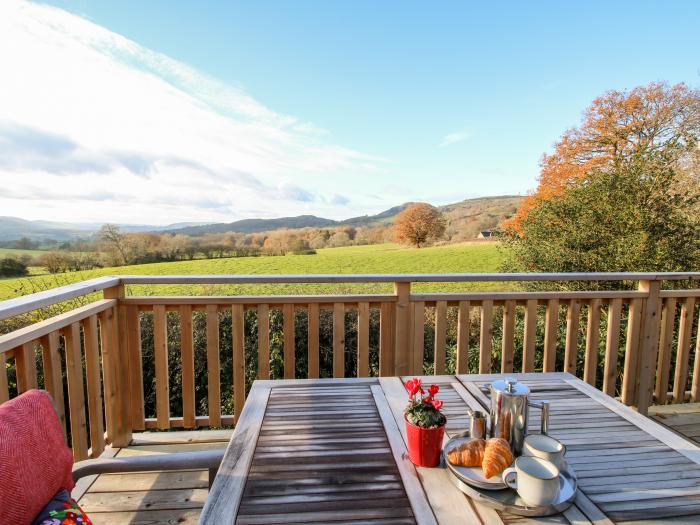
[(656, 119), (620, 192), (418, 224)]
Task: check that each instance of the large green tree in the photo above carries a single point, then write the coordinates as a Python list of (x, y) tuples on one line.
[(636, 217)]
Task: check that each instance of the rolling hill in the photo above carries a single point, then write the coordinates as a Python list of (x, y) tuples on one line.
[(465, 219), (13, 228), (470, 216)]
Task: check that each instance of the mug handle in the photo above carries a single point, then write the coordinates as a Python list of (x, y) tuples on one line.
[(510, 477)]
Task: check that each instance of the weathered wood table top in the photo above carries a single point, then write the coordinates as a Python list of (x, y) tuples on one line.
[(334, 451)]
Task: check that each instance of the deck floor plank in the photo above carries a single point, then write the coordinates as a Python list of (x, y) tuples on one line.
[(141, 498), (682, 419)]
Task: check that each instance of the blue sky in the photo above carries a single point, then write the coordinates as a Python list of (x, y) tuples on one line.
[(403, 100)]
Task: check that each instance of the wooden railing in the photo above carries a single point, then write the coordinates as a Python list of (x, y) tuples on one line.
[(123, 363)]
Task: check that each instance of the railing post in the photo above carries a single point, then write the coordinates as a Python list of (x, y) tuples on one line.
[(648, 343), (119, 424), (402, 339)]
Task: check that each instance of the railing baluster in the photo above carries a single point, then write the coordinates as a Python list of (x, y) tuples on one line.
[(133, 348), (648, 343), (160, 356), (120, 363), (402, 362), (187, 356), (338, 340), (529, 336), (612, 344), (238, 320), (684, 333), (363, 340), (485, 337), (463, 325), (4, 387), (313, 342), (213, 366), (571, 349), (440, 336), (592, 342), (508, 337), (263, 313), (386, 340), (94, 386), (108, 379), (695, 388), (629, 375), (551, 333), (53, 375), (25, 364), (289, 348), (663, 363), (418, 337), (76, 396)]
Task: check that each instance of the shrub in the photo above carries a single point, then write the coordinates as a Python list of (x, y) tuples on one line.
[(11, 267)]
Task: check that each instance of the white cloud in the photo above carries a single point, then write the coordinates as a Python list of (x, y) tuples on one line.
[(95, 127), (454, 138)]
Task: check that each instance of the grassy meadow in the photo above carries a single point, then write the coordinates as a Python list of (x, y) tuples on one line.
[(15, 252), (477, 257)]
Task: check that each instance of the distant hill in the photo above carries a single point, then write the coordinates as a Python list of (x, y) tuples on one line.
[(13, 228), (258, 225), (465, 220), (300, 221)]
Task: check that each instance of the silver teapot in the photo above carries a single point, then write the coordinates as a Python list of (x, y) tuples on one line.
[(509, 412)]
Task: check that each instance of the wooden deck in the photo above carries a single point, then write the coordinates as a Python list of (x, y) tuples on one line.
[(152, 498), (683, 419)]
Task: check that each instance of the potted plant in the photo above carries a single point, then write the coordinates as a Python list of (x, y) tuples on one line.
[(425, 424)]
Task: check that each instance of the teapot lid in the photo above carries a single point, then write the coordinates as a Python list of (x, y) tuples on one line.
[(510, 387)]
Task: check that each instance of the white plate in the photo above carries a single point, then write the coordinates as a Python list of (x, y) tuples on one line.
[(471, 475)]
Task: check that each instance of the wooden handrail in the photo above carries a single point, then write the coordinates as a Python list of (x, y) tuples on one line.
[(256, 299), (404, 278), (42, 328), (525, 296), (28, 303)]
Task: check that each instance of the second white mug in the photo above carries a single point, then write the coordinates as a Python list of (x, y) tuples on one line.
[(545, 447), (535, 479)]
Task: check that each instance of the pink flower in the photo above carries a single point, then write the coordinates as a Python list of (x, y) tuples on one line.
[(437, 404), (434, 389)]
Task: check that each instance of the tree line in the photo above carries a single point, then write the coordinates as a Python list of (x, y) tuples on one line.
[(418, 225)]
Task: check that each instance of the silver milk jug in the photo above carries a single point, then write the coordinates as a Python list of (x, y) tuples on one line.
[(509, 412)]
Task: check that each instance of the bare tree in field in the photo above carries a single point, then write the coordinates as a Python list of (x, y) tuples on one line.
[(115, 240), (418, 224)]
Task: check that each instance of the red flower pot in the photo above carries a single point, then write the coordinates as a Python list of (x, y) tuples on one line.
[(424, 444)]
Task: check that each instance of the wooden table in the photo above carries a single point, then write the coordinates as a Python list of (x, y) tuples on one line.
[(333, 451)]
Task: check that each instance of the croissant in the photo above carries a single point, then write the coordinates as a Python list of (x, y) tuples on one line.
[(497, 457), (469, 454)]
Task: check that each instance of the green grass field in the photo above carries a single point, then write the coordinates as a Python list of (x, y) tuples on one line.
[(383, 258), (6, 252)]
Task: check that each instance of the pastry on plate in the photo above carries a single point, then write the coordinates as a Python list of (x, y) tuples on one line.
[(497, 457), (468, 454)]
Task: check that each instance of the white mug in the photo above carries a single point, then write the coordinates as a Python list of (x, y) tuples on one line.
[(545, 447), (535, 479)]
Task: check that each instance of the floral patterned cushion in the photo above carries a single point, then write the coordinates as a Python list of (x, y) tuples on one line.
[(62, 510)]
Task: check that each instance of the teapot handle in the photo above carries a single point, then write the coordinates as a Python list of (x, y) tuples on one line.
[(544, 421)]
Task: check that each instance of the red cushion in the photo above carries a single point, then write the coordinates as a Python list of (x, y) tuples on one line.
[(35, 462)]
